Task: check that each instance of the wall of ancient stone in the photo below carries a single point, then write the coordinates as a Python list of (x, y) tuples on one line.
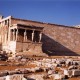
[(3, 36), (27, 46), (57, 39), (60, 40)]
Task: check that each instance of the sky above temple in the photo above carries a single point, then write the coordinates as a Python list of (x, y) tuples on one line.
[(64, 12)]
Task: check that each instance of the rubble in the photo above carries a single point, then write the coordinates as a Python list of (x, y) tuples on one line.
[(55, 68)]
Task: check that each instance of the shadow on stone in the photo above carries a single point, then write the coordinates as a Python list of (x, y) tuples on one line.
[(30, 79), (52, 47)]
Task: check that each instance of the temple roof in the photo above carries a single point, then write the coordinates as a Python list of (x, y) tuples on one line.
[(27, 26)]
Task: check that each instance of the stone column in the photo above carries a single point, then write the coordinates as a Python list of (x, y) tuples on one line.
[(16, 34), (2, 38), (13, 35), (5, 38), (8, 22), (40, 36), (32, 35), (8, 34), (24, 35)]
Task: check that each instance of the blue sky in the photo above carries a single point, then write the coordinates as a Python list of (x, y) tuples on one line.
[(64, 12)]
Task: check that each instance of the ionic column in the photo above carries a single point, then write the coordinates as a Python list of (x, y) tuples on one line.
[(16, 34), (7, 22), (32, 35), (13, 34), (5, 38), (40, 36), (25, 35), (2, 38)]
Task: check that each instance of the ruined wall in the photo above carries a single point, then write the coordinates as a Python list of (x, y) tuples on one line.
[(57, 39), (3, 36), (61, 40), (27, 46)]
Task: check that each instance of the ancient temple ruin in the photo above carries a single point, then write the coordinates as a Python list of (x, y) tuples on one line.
[(18, 37)]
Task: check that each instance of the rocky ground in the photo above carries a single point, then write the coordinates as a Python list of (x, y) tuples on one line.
[(40, 68)]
